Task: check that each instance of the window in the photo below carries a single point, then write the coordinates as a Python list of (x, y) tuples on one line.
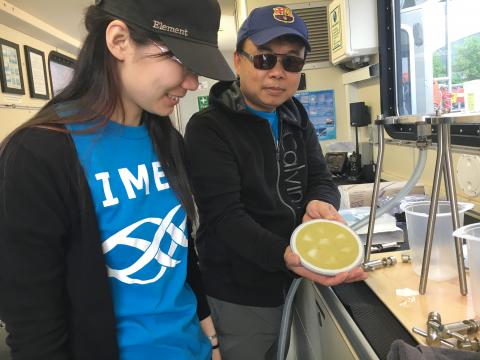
[(407, 85), (61, 71), (440, 50), (430, 60)]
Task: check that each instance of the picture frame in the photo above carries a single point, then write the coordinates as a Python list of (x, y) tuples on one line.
[(61, 68), (36, 73), (11, 75)]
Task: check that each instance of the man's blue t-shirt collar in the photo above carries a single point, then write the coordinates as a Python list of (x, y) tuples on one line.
[(271, 117)]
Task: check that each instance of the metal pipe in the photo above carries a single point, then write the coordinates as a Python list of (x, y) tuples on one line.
[(376, 186), (445, 180), (417, 172), (20, 107), (241, 12), (397, 199), (432, 213), (452, 196), (424, 334), (448, 45)]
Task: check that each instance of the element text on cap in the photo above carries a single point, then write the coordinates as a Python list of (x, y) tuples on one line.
[(161, 26)]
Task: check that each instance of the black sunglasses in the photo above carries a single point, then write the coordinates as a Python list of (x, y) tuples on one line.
[(267, 61)]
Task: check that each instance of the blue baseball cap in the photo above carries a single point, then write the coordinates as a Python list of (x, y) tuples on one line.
[(269, 22)]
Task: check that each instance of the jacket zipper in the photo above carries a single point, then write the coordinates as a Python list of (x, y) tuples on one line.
[(277, 155)]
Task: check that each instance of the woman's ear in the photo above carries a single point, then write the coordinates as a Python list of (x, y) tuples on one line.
[(117, 37)]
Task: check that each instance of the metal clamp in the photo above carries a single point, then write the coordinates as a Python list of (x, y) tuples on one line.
[(380, 263), (459, 332), (385, 246)]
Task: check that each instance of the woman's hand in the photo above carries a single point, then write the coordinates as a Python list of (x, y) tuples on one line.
[(209, 330), (216, 354)]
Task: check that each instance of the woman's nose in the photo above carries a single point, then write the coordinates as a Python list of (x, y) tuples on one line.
[(190, 81)]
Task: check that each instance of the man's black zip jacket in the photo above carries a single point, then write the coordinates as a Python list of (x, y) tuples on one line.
[(251, 193)]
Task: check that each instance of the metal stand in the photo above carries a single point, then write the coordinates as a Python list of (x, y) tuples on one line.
[(378, 172), (443, 167), (423, 131)]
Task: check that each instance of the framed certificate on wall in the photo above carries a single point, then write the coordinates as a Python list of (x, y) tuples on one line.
[(37, 73), (11, 77)]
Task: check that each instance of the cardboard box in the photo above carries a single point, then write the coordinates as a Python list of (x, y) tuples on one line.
[(357, 195)]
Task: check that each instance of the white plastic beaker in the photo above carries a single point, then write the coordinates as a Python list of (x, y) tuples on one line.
[(472, 234), (443, 263)]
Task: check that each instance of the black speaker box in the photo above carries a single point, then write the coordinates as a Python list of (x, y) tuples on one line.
[(303, 82), (359, 114)]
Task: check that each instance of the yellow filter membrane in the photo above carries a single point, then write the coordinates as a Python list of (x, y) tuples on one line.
[(327, 247)]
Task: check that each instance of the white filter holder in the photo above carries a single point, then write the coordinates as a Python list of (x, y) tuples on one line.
[(327, 247)]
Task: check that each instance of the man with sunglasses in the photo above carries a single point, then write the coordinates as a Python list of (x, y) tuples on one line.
[(258, 172)]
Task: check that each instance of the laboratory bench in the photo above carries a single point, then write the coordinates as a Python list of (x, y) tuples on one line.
[(361, 320)]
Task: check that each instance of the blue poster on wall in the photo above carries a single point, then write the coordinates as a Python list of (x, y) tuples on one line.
[(320, 106)]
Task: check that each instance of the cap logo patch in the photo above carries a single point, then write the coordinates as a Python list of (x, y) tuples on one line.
[(283, 14), (163, 27)]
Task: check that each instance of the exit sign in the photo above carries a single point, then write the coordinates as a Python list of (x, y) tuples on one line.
[(202, 102)]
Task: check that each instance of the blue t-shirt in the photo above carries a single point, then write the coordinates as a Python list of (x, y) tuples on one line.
[(144, 239), (271, 117)]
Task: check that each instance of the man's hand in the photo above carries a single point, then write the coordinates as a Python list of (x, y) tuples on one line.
[(292, 261), (317, 209)]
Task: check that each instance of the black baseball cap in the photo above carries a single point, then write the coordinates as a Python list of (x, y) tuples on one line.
[(188, 27), (266, 23)]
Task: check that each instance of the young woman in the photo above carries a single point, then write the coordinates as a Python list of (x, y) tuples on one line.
[(95, 261)]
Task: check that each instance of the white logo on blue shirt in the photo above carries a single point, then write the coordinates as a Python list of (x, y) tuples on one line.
[(151, 250)]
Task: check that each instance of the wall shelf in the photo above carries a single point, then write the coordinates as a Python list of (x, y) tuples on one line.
[(364, 73)]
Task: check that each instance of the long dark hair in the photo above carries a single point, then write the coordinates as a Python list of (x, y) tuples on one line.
[(96, 86)]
